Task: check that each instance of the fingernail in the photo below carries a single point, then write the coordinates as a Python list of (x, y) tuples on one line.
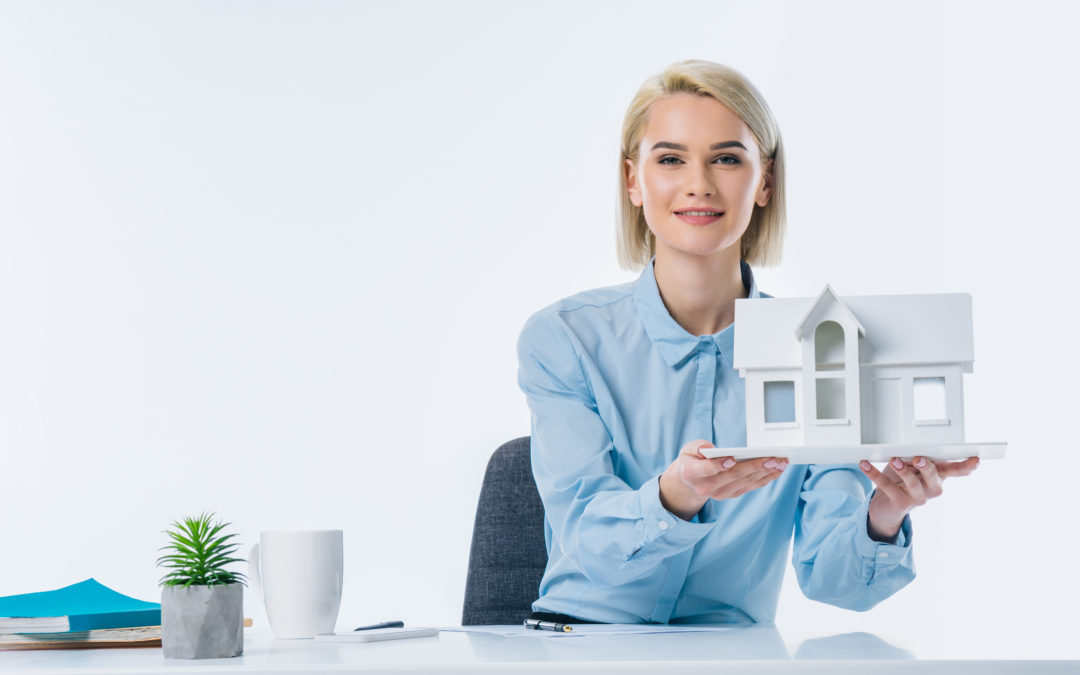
[(920, 462), (897, 463), (782, 464), (728, 463), (864, 465), (769, 464)]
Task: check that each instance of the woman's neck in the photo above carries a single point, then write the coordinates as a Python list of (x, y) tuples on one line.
[(700, 292)]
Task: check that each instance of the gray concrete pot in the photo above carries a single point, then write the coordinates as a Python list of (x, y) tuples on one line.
[(202, 622)]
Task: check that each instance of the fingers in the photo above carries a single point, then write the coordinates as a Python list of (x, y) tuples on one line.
[(741, 487), (909, 485), (735, 469), (751, 483), (698, 468), (756, 467), (724, 478), (912, 481), (693, 467), (775, 463), (886, 484), (950, 469), (694, 447), (930, 478), (691, 478), (748, 475)]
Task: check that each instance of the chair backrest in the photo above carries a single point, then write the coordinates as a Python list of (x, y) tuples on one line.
[(508, 553)]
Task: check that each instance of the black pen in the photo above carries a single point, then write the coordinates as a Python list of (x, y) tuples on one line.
[(384, 624), (537, 624)]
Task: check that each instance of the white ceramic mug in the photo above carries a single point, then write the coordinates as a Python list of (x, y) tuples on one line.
[(297, 575)]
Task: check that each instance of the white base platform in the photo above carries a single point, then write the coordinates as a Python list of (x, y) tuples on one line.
[(847, 454)]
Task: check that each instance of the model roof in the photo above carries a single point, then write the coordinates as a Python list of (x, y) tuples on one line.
[(895, 329)]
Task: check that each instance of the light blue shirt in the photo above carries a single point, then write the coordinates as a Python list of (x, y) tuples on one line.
[(616, 387)]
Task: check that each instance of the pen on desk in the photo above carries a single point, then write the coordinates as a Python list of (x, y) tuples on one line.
[(384, 624), (537, 624)]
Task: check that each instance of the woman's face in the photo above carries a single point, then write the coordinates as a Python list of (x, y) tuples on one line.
[(696, 155)]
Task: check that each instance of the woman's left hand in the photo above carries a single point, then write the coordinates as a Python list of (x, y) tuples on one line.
[(902, 487)]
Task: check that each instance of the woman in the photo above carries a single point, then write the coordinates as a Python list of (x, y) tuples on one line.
[(626, 383)]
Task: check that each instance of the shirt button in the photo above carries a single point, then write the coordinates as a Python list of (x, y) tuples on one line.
[(883, 554), (663, 525)]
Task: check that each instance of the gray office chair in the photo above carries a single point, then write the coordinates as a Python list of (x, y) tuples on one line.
[(508, 553)]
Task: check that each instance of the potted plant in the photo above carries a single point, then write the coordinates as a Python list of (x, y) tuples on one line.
[(202, 603)]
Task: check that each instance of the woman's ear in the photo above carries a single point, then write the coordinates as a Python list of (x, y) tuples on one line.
[(632, 188), (766, 187)]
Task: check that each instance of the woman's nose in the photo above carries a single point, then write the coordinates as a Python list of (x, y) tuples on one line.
[(700, 183)]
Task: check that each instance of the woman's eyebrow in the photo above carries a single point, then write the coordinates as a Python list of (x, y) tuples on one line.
[(714, 146)]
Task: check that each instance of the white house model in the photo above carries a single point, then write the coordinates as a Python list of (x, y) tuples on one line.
[(842, 379)]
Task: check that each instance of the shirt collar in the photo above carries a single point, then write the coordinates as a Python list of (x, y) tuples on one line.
[(673, 341)]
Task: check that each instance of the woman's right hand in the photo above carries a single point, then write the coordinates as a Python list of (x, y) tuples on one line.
[(691, 480)]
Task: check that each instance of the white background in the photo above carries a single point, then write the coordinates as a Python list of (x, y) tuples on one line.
[(270, 259)]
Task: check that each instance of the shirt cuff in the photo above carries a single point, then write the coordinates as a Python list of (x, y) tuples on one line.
[(659, 523), (884, 554)]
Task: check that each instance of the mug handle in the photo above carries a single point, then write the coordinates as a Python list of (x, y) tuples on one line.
[(253, 572)]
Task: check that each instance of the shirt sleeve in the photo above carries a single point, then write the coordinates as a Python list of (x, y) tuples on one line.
[(612, 531), (835, 559)]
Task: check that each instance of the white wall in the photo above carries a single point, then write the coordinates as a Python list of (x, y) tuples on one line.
[(270, 259)]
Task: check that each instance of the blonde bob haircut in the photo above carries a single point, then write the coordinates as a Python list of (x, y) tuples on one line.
[(762, 242)]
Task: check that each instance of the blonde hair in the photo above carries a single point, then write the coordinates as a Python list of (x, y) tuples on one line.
[(762, 242)]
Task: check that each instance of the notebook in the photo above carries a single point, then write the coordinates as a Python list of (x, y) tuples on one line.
[(85, 606)]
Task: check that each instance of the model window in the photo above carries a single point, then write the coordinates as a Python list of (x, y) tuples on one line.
[(930, 398), (829, 346), (780, 401), (830, 399)]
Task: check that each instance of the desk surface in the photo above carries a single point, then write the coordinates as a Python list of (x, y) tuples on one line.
[(758, 649)]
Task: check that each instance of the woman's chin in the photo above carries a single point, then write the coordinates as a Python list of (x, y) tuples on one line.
[(701, 249)]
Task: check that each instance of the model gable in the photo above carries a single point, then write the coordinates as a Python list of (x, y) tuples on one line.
[(819, 311)]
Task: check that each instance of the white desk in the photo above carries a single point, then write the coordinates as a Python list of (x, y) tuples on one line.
[(757, 649)]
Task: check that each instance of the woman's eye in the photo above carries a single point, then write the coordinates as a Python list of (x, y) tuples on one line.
[(722, 159)]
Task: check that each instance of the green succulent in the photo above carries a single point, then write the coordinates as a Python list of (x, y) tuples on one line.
[(197, 555)]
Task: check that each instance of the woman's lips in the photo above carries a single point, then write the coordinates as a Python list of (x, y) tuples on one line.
[(699, 220)]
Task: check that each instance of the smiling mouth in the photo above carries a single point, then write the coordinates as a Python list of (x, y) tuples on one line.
[(695, 217)]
